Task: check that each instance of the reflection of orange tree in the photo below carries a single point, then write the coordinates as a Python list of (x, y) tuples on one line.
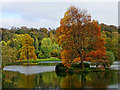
[(71, 81), (92, 80)]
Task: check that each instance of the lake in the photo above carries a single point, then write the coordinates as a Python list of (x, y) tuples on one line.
[(46, 77)]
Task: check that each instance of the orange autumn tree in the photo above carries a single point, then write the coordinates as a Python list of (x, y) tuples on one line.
[(27, 51), (80, 38)]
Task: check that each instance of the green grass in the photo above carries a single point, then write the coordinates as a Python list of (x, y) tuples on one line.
[(35, 62), (50, 59), (47, 64), (47, 59)]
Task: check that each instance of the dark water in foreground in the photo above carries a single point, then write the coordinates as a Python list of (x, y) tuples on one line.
[(12, 79)]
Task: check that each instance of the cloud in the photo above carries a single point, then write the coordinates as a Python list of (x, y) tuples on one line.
[(48, 14), (59, 1), (18, 22)]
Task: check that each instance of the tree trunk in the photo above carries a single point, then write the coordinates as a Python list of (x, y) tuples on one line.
[(82, 56), (82, 63)]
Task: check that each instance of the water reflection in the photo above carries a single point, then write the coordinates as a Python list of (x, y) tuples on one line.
[(29, 70), (51, 80)]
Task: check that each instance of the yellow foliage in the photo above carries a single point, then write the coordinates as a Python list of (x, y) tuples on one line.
[(27, 49)]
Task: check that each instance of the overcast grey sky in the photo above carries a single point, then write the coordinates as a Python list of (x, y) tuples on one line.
[(48, 14)]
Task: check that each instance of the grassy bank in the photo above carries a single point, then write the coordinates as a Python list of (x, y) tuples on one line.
[(50, 59), (35, 62)]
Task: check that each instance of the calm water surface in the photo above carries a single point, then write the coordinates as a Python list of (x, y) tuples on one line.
[(46, 77), (27, 70)]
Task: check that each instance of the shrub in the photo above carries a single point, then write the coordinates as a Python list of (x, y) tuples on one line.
[(70, 70), (60, 70), (86, 65), (60, 67)]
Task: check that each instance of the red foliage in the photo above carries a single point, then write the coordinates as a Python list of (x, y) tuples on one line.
[(80, 38)]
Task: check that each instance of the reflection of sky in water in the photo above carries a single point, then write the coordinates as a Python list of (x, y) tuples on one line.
[(27, 70), (113, 86)]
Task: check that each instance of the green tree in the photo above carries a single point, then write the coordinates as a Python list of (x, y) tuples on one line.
[(51, 35), (111, 56), (55, 50), (16, 41), (46, 48), (8, 54), (111, 42)]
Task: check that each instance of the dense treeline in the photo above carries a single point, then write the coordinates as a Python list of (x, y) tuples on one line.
[(45, 42), (111, 34), (112, 38)]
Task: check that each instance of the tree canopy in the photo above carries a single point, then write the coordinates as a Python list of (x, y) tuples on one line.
[(80, 38), (27, 50)]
